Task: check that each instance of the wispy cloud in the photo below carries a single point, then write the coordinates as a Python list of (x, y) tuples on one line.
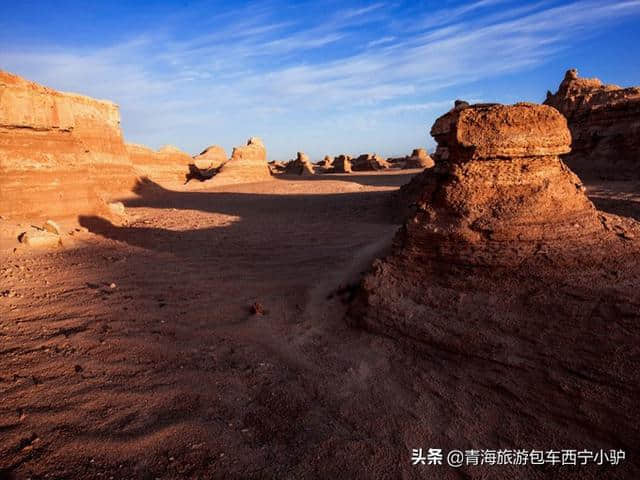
[(298, 79)]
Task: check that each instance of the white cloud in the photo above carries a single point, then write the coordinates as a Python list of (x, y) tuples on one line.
[(255, 73)]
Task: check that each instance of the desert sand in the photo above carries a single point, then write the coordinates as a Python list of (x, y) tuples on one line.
[(135, 354)]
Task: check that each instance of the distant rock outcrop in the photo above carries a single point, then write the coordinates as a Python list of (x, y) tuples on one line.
[(211, 157), (368, 162), (419, 158), (168, 165), (248, 164), (277, 167), (341, 164), (605, 126), (300, 166), (327, 162), (60, 153)]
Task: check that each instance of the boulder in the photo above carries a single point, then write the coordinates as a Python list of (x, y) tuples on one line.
[(499, 195), (40, 238), (51, 227), (605, 127)]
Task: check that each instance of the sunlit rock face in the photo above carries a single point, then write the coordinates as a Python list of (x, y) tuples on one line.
[(499, 200), (168, 165), (211, 157), (60, 153), (300, 166), (419, 158), (247, 164), (368, 162), (499, 183), (605, 126)]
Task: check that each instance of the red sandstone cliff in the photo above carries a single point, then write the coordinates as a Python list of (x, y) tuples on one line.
[(60, 153), (605, 125), (169, 165)]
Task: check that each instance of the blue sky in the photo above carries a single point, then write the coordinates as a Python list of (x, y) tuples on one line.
[(323, 77)]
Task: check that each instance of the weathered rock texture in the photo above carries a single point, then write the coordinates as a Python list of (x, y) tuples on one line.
[(502, 183), (515, 285), (168, 165), (605, 126), (247, 164), (60, 154), (369, 162), (300, 166), (210, 158)]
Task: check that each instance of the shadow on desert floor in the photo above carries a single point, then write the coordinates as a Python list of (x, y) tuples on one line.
[(620, 198)]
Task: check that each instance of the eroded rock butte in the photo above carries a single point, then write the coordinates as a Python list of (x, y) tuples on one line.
[(605, 127)]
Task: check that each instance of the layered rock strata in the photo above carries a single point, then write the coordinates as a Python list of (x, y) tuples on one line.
[(168, 165), (517, 297), (605, 127), (60, 153), (247, 164)]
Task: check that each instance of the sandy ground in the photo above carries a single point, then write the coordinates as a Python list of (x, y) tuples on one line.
[(134, 354)]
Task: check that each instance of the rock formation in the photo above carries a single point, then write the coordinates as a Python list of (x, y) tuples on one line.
[(369, 162), (500, 200), (210, 158), (516, 291), (168, 165), (419, 158), (247, 164), (325, 165), (605, 126), (327, 162), (277, 167), (300, 166), (60, 153), (341, 164)]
